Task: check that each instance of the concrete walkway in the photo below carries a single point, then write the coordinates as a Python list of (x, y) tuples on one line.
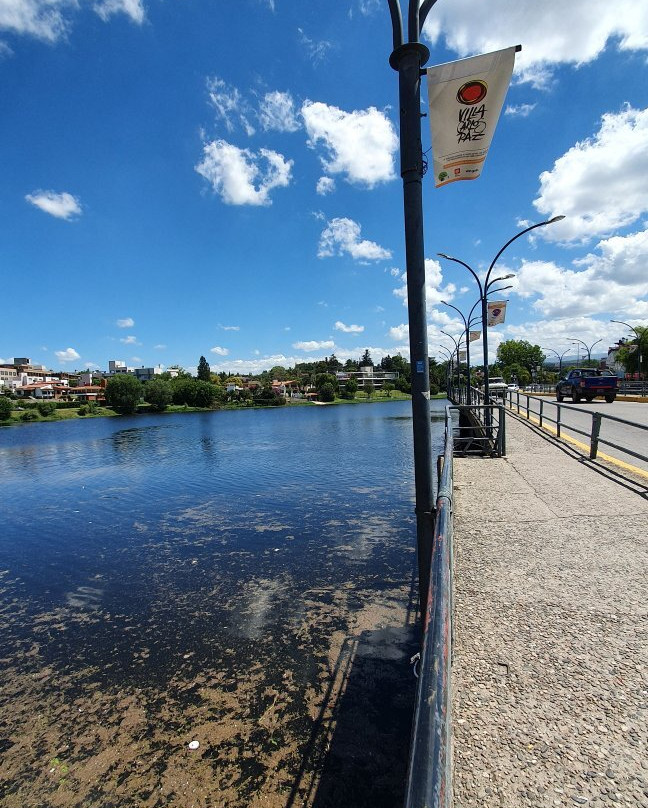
[(549, 672)]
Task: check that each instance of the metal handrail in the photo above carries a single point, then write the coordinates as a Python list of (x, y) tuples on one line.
[(429, 777), (593, 434)]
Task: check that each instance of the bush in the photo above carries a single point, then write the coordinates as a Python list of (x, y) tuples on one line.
[(5, 408), (83, 410), (46, 408), (29, 415)]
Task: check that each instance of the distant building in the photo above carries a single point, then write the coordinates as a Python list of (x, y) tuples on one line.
[(367, 375), (146, 374), (8, 376), (117, 366)]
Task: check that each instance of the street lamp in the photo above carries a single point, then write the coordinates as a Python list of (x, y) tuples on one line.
[(457, 343), (587, 348), (637, 335), (467, 324), (560, 358), (484, 290)]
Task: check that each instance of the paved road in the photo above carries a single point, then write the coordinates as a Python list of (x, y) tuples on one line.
[(580, 417), (550, 654)]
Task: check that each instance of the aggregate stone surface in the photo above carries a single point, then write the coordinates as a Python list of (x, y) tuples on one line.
[(549, 668)]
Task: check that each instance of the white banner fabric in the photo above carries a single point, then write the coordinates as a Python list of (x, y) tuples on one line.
[(496, 312), (475, 335), (465, 101)]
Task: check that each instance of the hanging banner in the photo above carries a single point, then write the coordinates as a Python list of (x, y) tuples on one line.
[(496, 312), (465, 100), (474, 335), (462, 356)]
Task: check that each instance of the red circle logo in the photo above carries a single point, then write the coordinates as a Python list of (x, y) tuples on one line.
[(472, 92)]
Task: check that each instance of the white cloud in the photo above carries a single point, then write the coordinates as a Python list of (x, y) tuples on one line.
[(49, 20), (230, 327), (229, 105), (343, 236), (242, 177), (325, 185), (359, 144), (399, 332), (277, 112), (219, 351), (159, 347), (314, 345), (126, 322), (68, 355), (130, 340), (316, 51), (614, 279), (519, 110), (600, 183), (131, 8), (349, 329), (91, 365), (434, 291), (62, 206), (552, 32), (37, 18)]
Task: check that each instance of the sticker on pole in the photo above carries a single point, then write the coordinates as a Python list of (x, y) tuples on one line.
[(420, 367), (465, 100)]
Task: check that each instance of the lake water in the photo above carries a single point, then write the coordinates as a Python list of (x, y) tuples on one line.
[(244, 579)]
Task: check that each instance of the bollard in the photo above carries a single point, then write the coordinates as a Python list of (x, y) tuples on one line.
[(596, 428)]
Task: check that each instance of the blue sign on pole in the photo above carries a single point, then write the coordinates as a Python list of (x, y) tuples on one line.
[(419, 366)]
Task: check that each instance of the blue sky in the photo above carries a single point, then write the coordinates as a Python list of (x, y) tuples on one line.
[(221, 178)]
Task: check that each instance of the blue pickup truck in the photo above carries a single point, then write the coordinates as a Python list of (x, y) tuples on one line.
[(587, 383)]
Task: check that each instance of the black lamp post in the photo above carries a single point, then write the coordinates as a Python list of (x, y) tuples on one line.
[(407, 59), (457, 344), (468, 322), (560, 358), (588, 348), (484, 290), (637, 335)]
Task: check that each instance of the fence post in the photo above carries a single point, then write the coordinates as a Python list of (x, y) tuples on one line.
[(501, 437), (528, 408), (557, 420), (596, 428), (541, 403)]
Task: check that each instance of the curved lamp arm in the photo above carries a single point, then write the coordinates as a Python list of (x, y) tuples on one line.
[(519, 235), (468, 267)]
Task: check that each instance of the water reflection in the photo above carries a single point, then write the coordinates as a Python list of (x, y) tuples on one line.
[(168, 576)]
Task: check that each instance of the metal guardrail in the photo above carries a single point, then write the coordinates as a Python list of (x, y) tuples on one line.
[(593, 434), (429, 777), (482, 427)]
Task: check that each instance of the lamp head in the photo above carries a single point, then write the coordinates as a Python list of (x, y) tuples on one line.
[(443, 255), (555, 219)]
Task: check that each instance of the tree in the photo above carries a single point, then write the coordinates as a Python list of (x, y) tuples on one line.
[(159, 394), (326, 378), (350, 389), (326, 392), (204, 371), (5, 408), (123, 393), (628, 355), (520, 352), (388, 387), (366, 359), (369, 389)]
